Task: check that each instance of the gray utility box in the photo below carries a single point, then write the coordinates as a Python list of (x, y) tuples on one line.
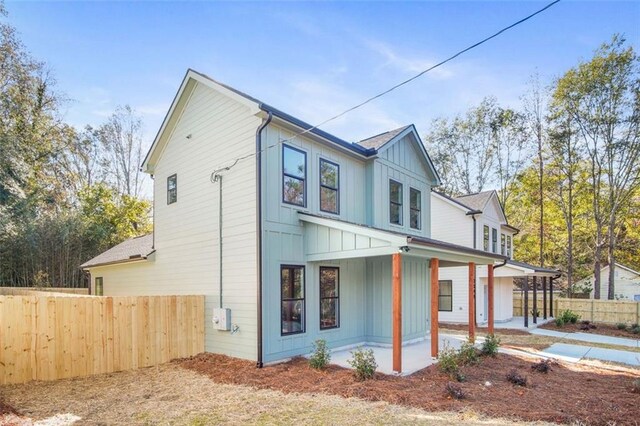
[(222, 319)]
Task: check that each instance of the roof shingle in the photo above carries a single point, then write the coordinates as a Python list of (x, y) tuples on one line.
[(475, 201), (135, 248), (378, 141)]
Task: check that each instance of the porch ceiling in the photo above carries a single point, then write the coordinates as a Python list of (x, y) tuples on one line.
[(330, 239)]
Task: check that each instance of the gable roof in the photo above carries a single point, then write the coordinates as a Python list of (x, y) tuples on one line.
[(256, 105), (452, 200), (626, 268), (138, 248), (377, 141), (476, 201)]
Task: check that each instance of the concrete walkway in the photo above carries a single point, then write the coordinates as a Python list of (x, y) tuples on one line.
[(588, 337), (576, 353)]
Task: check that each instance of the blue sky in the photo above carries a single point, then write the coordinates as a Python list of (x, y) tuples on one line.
[(311, 59)]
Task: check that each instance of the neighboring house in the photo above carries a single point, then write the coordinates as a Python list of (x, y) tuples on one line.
[(291, 237), (478, 221), (626, 284)]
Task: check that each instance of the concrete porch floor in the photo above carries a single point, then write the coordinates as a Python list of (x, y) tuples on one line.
[(415, 356)]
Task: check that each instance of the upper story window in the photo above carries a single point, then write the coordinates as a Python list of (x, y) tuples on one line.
[(294, 176), (172, 189), (415, 206), (292, 299), (395, 202), (329, 187), (494, 240), (503, 239), (329, 298), (509, 246), (486, 238)]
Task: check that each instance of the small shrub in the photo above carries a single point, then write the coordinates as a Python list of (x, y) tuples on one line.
[(536, 313), (542, 366), (321, 355), (490, 345), (585, 322), (635, 329), (635, 386), (568, 316), (621, 326), (448, 362), (364, 363), (516, 378), (454, 391), (468, 354), (559, 322)]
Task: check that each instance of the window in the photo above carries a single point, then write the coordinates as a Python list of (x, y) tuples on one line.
[(502, 243), (445, 295), (395, 202), (329, 187), (486, 238), (172, 189), (292, 293), (509, 246), (294, 176), (329, 298), (494, 239), (415, 205), (99, 286)]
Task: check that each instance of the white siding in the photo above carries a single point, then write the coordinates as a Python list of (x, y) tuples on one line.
[(450, 223), (186, 232), (627, 284)]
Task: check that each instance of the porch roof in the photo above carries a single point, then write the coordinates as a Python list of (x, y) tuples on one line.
[(329, 239), (515, 269)]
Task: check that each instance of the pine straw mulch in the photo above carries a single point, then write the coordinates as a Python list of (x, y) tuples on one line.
[(604, 329), (568, 394)]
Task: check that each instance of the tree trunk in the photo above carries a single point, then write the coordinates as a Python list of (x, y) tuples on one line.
[(611, 257), (597, 262)]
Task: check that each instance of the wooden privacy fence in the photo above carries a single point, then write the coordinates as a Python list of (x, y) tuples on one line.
[(35, 291), (604, 311), (518, 303), (48, 337)]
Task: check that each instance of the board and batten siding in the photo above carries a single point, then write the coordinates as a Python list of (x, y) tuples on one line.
[(186, 232), (402, 163)]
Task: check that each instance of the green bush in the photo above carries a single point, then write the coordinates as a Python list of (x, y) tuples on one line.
[(621, 326), (468, 354), (490, 345), (635, 329), (568, 316), (363, 363), (448, 362), (320, 356), (559, 322)]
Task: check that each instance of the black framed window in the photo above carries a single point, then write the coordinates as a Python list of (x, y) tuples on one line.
[(445, 295), (172, 189), (99, 286), (294, 176), (486, 238), (329, 186), (329, 297), (509, 246), (292, 299), (415, 207), (494, 239), (395, 202), (503, 243)]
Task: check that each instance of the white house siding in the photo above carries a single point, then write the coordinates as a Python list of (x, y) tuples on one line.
[(626, 284), (450, 223), (186, 232)]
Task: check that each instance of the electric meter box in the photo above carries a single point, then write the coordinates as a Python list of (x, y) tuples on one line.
[(222, 319)]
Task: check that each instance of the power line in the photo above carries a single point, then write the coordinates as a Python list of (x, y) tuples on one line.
[(391, 89)]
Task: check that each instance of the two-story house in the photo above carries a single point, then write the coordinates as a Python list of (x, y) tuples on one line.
[(479, 221), (291, 233)]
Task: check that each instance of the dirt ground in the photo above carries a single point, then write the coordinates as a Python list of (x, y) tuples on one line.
[(568, 394), (605, 329), (172, 395)]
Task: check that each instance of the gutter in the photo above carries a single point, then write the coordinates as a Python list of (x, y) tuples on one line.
[(264, 124)]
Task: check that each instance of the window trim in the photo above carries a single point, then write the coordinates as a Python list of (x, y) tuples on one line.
[(101, 286), (173, 176), (503, 243), (450, 296), (304, 180), (336, 189), (494, 240), (418, 209), (336, 298), (486, 238), (509, 245), (401, 213), (303, 299)]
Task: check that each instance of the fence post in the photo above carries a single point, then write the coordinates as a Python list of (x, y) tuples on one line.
[(593, 316)]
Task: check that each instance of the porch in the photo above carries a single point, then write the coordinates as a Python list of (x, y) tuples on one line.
[(402, 273)]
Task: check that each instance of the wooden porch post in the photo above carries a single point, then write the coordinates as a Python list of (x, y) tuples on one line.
[(472, 305), (544, 297), (551, 297), (526, 302), (396, 274), (435, 264), (490, 295), (535, 299)]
